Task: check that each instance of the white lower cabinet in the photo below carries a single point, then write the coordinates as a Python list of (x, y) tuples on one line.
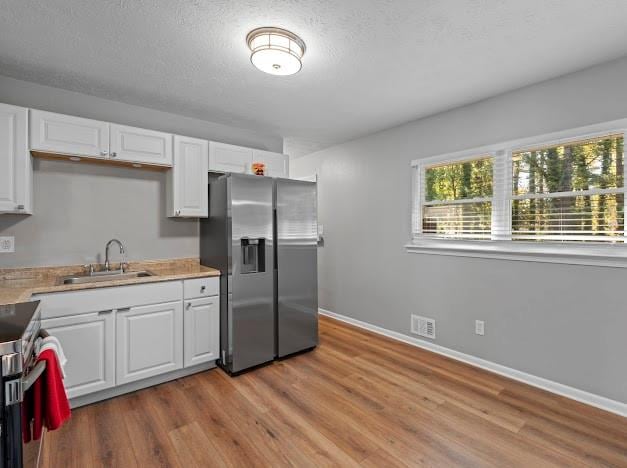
[(88, 342), (149, 341), (115, 336), (202, 330)]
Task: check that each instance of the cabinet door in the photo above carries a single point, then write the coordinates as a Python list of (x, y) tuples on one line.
[(16, 170), (140, 146), (89, 345), (149, 341), (66, 134), (229, 158), (277, 164), (202, 330), (188, 193)]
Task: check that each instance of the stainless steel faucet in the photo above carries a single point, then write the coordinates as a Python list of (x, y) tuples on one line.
[(122, 251)]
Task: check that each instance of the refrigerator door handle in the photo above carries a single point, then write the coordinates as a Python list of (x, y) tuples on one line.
[(246, 253)]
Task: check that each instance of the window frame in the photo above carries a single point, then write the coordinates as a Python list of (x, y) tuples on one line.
[(501, 245), (420, 174)]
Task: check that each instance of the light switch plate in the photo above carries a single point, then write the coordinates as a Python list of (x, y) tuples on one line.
[(7, 244)]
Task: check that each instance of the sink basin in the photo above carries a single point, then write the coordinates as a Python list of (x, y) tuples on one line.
[(104, 276)]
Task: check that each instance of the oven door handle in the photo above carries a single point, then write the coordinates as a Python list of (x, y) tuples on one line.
[(37, 370), (33, 375)]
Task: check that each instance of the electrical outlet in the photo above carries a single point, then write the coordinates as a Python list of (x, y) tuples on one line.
[(479, 327), (7, 244)]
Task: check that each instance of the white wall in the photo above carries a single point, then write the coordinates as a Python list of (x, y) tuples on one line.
[(78, 207), (564, 323)]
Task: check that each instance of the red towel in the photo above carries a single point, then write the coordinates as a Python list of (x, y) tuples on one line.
[(46, 402), (39, 403)]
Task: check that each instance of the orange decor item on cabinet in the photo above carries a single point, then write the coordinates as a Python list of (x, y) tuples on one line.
[(259, 168)]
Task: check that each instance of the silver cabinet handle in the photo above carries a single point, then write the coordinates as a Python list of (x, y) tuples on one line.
[(114, 154), (103, 153), (178, 212), (202, 289), (19, 207), (104, 312), (189, 304)]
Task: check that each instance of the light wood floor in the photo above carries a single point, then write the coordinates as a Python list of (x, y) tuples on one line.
[(357, 400)]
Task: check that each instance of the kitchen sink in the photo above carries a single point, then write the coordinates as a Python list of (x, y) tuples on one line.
[(104, 276)]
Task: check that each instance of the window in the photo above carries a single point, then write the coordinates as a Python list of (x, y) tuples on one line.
[(458, 199), (570, 192), (565, 196)]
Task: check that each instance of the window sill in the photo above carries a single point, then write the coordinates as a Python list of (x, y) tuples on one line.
[(595, 255)]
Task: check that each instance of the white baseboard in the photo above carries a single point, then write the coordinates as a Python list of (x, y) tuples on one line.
[(582, 396), (83, 400)]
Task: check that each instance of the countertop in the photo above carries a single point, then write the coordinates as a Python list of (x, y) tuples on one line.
[(19, 284), (16, 323)]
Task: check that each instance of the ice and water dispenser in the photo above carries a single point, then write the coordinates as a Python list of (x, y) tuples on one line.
[(253, 258)]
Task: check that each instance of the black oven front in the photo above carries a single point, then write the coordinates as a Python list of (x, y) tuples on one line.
[(19, 372)]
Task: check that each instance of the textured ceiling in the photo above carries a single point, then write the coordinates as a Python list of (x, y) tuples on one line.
[(369, 64)]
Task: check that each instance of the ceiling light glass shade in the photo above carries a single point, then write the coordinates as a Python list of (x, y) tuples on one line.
[(276, 51)]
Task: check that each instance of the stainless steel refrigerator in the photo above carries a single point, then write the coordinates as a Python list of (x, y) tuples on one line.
[(262, 234)]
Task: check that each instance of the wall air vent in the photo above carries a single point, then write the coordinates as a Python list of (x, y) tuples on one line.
[(423, 326)]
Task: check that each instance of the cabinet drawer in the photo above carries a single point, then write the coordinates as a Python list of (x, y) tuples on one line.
[(201, 287), (62, 304)]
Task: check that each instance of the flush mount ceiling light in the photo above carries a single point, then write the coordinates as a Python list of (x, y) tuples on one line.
[(275, 50)]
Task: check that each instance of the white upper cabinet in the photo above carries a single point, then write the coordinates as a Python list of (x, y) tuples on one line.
[(58, 133), (16, 170), (187, 190), (229, 158), (232, 158), (277, 164), (140, 146), (66, 134)]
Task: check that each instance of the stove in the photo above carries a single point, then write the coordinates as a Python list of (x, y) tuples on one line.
[(19, 328)]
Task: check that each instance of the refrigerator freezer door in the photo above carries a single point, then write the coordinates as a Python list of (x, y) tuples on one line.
[(251, 316), (297, 265)]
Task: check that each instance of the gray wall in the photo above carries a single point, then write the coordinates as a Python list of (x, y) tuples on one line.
[(564, 323), (78, 207)]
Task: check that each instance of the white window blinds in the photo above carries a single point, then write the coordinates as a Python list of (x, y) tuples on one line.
[(571, 190), (456, 198)]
